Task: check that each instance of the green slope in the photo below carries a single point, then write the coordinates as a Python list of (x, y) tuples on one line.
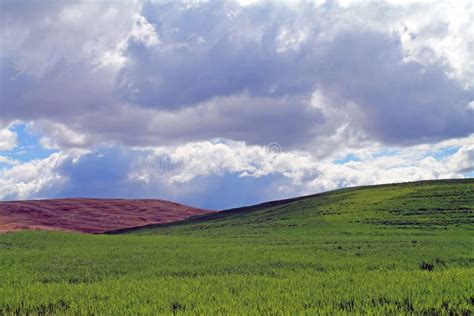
[(425, 204), (405, 248)]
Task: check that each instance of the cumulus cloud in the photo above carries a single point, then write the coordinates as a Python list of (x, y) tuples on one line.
[(398, 101), (296, 173), (214, 84), (58, 135), (7, 139), (220, 174), (32, 179), (38, 37), (463, 160), (222, 63)]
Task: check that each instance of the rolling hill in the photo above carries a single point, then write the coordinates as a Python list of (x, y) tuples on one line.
[(90, 215), (389, 249), (423, 204)]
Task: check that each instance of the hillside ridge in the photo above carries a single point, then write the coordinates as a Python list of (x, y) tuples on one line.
[(275, 203), (90, 215)]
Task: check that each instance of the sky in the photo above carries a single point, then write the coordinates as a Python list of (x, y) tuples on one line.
[(223, 104)]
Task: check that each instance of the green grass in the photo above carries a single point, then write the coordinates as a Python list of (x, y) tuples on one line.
[(406, 248)]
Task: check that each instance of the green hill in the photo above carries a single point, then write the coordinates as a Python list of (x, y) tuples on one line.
[(402, 248)]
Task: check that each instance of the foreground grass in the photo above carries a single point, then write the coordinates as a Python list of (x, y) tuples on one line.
[(387, 249)]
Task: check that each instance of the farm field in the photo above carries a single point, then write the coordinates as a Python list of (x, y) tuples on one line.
[(389, 249), (89, 215)]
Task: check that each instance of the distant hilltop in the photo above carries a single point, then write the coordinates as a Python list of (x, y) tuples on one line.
[(90, 215)]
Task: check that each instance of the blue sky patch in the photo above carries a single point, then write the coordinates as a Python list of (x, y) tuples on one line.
[(345, 159), (386, 152), (443, 152), (28, 145)]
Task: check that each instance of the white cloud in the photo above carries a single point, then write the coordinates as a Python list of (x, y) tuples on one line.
[(463, 159), (470, 105), (8, 139), (142, 32), (58, 135), (38, 35), (172, 172), (7, 161), (304, 173), (30, 179), (429, 30)]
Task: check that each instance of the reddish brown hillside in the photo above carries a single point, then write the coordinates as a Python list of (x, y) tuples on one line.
[(90, 215)]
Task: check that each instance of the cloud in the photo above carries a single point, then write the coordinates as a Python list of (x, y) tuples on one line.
[(58, 136), (463, 159), (397, 101), (107, 86), (32, 179), (175, 73), (7, 161), (197, 61), (296, 173), (40, 36), (220, 174), (8, 139)]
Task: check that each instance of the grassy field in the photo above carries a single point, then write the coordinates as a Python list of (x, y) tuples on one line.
[(406, 248)]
